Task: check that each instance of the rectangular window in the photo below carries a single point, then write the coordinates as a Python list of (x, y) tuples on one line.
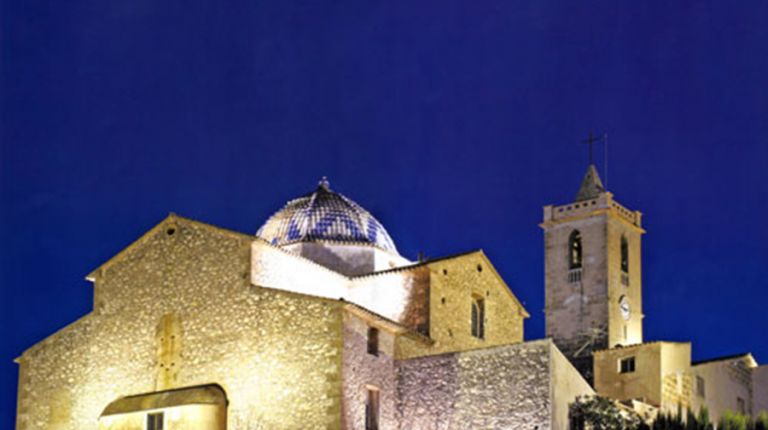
[(627, 365), (372, 409), (700, 388), (155, 421), (373, 341)]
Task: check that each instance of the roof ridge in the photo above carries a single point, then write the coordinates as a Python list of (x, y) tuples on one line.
[(414, 265)]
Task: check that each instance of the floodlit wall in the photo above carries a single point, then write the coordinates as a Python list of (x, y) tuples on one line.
[(725, 381), (582, 305), (280, 269), (644, 383), (661, 378), (454, 284), (187, 417), (566, 383), (760, 387), (676, 376), (400, 295), (363, 371), (499, 387), (277, 355)]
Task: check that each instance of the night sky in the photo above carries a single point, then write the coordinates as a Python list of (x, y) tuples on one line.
[(452, 121)]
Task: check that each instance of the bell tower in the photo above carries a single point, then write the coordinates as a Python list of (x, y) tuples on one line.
[(593, 287)]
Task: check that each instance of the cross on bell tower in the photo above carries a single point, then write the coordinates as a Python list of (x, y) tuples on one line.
[(593, 284), (591, 141)]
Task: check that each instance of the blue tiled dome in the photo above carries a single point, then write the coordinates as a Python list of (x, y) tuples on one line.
[(325, 215)]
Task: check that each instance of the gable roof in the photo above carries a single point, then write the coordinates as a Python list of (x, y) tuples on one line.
[(173, 218), (474, 253), (170, 219)]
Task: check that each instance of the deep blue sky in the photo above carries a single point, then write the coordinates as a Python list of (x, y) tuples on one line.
[(454, 122)]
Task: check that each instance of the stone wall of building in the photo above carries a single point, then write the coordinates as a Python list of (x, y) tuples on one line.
[(662, 375), (577, 311), (454, 284), (725, 381), (277, 268), (400, 295), (566, 383), (760, 389), (624, 330), (277, 355), (500, 387), (582, 304), (362, 371)]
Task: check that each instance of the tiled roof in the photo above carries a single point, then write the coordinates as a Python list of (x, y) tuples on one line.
[(325, 215)]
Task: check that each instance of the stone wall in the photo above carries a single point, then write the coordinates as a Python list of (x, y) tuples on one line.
[(454, 283), (760, 389), (499, 387), (725, 381), (566, 383), (279, 370), (363, 371), (577, 312), (400, 295), (582, 305)]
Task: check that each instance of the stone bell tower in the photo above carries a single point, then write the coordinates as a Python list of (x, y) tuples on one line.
[(593, 289)]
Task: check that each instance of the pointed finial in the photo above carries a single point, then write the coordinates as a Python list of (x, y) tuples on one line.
[(324, 184)]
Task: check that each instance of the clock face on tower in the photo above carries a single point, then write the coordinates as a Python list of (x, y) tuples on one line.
[(624, 307)]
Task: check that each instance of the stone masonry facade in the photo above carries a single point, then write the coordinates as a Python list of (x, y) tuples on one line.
[(190, 305)]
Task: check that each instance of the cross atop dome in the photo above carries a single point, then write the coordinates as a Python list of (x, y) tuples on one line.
[(324, 183)]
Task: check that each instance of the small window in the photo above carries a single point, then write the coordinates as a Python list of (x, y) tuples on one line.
[(373, 341), (740, 405), (624, 255), (701, 389), (478, 318), (627, 365), (155, 421), (574, 250), (372, 409)]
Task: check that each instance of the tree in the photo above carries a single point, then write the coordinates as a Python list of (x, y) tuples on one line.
[(600, 413)]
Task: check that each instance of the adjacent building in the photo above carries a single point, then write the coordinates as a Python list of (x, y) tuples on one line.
[(593, 289)]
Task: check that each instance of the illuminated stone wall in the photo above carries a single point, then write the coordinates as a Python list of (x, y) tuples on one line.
[(277, 355), (725, 381), (190, 304), (362, 371), (760, 387), (454, 282), (582, 314), (662, 375), (501, 387)]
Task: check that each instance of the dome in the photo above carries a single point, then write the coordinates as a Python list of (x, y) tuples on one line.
[(325, 215)]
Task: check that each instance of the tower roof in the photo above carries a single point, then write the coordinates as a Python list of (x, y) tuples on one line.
[(325, 215), (591, 185)]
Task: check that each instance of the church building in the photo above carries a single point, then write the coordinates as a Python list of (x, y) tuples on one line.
[(594, 314), (317, 322)]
